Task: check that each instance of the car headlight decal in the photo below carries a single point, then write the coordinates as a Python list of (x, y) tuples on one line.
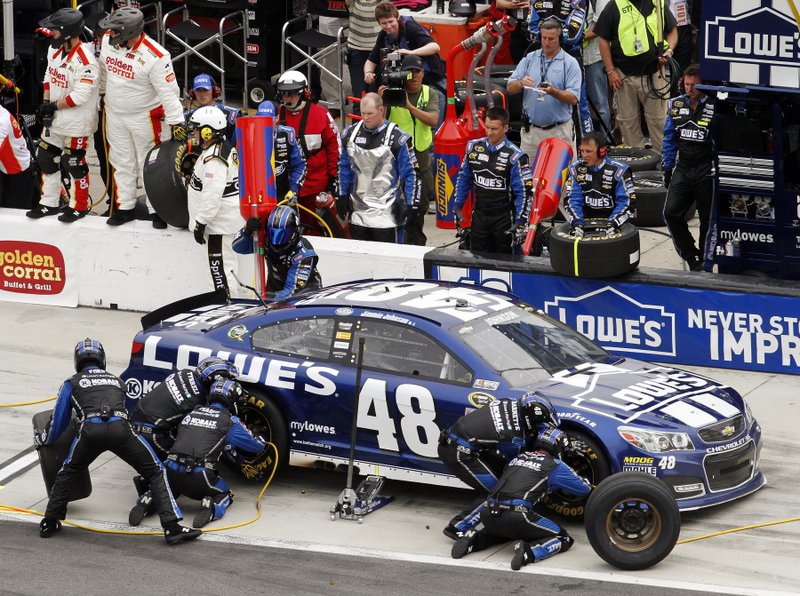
[(656, 441)]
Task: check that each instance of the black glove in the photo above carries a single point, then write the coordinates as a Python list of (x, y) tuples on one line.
[(179, 132), (667, 177), (44, 114), (458, 217), (399, 211), (578, 231), (612, 228), (412, 218), (343, 206), (199, 233), (252, 225), (520, 233), (40, 437)]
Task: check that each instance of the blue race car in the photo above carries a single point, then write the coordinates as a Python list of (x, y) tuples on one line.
[(431, 352)]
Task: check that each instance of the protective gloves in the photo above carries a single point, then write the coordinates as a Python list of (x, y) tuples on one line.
[(343, 206), (578, 231), (667, 177), (199, 233), (179, 132), (45, 112), (458, 217), (291, 198), (252, 225)]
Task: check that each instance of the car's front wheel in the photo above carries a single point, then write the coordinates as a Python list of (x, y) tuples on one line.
[(263, 418), (587, 458)]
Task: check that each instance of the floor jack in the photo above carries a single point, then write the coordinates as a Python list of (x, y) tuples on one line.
[(355, 504)]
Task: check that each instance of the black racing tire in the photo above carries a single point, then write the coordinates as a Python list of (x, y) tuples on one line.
[(650, 199), (51, 457), (263, 418), (259, 90), (165, 184), (588, 459), (597, 255), (638, 159), (632, 520)]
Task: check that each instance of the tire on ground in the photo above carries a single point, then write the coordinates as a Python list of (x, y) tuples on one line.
[(51, 457), (259, 90), (650, 199), (596, 255), (262, 417), (632, 520), (638, 159), (588, 459), (164, 182)]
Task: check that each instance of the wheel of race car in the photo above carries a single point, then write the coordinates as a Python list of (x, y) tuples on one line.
[(638, 159), (588, 459), (164, 182), (263, 418), (650, 198), (595, 255), (259, 90), (632, 521)]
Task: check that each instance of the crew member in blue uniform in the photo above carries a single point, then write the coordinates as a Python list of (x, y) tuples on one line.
[(498, 172), (202, 436), (205, 93), (598, 187), (508, 513), (98, 399), (688, 140), (290, 164)]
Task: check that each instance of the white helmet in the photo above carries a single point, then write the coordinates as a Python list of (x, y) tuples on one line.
[(292, 81), (210, 121)]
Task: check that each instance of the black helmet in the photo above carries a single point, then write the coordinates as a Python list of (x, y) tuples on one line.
[(535, 409), (225, 392), (283, 228), (551, 439), (210, 369), (462, 8), (89, 351), (124, 24), (67, 21)]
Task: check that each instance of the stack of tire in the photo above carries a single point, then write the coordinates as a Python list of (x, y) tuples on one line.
[(648, 183)]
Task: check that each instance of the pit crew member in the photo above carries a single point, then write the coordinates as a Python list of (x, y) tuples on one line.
[(202, 436), (290, 164), (508, 513), (69, 113), (141, 96), (598, 187), (98, 398), (205, 93)]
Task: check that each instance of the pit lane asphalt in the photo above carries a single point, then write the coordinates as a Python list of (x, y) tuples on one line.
[(295, 548)]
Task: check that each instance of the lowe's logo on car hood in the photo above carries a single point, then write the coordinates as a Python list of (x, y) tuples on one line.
[(617, 322)]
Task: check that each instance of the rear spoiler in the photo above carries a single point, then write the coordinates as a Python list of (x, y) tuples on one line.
[(190, 303)]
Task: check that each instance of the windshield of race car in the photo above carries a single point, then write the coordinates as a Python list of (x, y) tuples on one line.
[(525, 347)]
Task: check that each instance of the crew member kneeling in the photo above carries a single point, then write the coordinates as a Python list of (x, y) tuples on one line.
[(598, 187)]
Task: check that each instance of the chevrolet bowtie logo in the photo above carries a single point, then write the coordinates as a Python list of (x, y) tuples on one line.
[(728, 431)]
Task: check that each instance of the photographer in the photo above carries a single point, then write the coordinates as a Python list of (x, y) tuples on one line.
[(550, 80), (416, 116)]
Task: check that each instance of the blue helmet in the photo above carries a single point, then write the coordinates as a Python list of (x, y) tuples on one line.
[(89, 351), (535, 409), (283, 228), (225, 392), (551, 439), (211, 368)]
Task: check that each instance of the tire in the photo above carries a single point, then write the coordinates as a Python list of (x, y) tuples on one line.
[(596, 254), (632, 521), (638, 159), (262, 417), (51, 457), (165, 184), (588, 459), (259, 90), (650, 199)]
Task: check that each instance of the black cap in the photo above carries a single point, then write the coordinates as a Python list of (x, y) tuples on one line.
[(412, 62)]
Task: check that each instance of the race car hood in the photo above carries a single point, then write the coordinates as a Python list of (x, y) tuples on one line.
[(632, 391)]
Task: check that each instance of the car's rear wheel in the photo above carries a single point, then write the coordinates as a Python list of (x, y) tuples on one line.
[(587, 458), (632, 520), (263, 418)]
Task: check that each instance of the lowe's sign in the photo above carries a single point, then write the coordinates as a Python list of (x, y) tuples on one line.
[(664, 322), (755, 43)]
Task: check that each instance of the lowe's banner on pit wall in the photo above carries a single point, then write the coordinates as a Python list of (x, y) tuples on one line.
[(753, 42), (663, 323)]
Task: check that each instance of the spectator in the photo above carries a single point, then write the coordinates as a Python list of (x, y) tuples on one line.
[(550, 80), (633, 59), (516, 43), (684, 48), (417, 118), (361, 38), (69, 116), (141, 96), (205, 93), (594, 72), (378, 182)]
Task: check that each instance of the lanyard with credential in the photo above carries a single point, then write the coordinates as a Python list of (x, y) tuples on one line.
[(544, 66)]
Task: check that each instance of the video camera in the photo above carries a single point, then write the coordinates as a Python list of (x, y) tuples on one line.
[(393, 77)]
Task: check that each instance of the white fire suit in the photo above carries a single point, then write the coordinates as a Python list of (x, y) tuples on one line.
[(141, 99), (213, 200), (14, 154), (74, 76)]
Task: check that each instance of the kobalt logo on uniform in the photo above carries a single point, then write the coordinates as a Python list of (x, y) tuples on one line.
[(626, 325)]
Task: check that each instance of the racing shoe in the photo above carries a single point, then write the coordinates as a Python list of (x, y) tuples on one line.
[(452, 532), (158, 223), (69, 215), (522, 555), (176, 533), (42, 211), (144, 507), (695, 264), (121, 216), (464, 545), (206, 513), (48, 526)]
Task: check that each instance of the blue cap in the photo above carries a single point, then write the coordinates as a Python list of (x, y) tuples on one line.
[(202, 81), (266, 108)]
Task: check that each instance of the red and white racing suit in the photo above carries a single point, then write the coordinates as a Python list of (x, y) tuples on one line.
[(142, 99), (14, 154), (74, 76)]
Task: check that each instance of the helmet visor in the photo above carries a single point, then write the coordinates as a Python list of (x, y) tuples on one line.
[(280, 236)]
